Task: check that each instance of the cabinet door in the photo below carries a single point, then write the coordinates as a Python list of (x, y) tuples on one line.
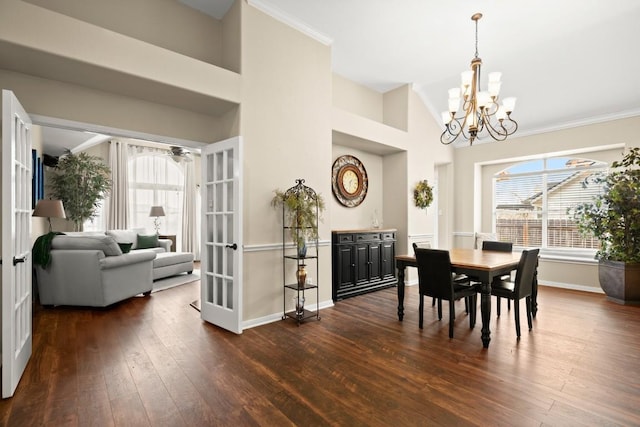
[(346, 266), (388, 260), (362, 263), (375, 259)]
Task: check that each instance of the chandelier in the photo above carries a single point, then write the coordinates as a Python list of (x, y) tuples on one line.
[(481, 114)]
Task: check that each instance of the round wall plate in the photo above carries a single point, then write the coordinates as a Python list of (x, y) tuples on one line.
[(349, 181)]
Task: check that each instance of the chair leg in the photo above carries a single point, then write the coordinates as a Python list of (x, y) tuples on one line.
[(421, 311), (451, 316), (529, 314), (498, 306), (473, 313), (516, 310), (439, 309), (508, 304), (466, 305), (433, 302)]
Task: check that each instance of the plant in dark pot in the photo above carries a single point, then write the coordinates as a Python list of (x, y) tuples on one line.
[(81, 181), (614, 217), (302, 207)]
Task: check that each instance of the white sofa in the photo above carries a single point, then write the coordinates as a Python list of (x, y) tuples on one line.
[(90, 269)]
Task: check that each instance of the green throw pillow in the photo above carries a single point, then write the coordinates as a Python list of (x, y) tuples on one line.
[(147, 241), (125, 247)]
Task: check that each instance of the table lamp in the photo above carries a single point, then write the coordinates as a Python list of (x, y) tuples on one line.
[(156, 211), (48, 208)]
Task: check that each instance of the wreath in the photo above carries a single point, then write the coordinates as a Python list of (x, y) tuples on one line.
[(423, 194)]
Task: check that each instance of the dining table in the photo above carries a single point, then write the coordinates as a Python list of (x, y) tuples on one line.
[(482, 265)]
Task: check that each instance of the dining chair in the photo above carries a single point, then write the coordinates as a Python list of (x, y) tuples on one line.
[(520, 288), (460, 278), (435, 279), (493, 245)]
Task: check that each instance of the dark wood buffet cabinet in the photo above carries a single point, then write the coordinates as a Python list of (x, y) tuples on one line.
[(362, 261)]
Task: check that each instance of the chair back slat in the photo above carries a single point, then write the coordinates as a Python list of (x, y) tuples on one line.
[(493, 245), (434, 273), (524, 274)]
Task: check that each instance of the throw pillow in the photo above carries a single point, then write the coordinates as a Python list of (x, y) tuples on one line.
[(125, 247), (147, 241)]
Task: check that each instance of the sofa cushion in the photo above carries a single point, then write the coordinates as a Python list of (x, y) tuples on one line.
[(125, 247), (170, 258), (147, 241), (102, 243)]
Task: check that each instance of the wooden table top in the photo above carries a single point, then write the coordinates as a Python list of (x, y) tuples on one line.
[(475, 258)]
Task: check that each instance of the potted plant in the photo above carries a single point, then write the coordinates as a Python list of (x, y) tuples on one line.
[(302, 207), (81, 181), (614, 217)]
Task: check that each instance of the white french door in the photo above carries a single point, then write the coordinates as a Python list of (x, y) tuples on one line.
[(16, 242), (221, 260)]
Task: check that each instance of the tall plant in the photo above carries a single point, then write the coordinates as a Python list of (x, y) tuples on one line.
[(81, 181), (614, 216), (301, 206)]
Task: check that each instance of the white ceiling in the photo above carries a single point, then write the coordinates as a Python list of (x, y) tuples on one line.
[(568, 62)]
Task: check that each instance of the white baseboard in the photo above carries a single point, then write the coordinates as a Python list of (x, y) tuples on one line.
[(275, 317)]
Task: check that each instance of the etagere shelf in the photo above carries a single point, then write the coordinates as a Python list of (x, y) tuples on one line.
[(302, 256)]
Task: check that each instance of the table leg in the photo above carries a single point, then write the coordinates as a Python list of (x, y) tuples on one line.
[(401, 269), (485, 310), (534, 293)]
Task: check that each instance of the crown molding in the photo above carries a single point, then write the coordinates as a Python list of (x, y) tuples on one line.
[(289, 20)]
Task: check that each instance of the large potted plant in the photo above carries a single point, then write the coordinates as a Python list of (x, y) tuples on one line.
[(614, 217), (302, 207), (81, 181)]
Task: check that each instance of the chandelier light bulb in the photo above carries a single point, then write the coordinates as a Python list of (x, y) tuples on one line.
[(495, 77), (509, 104), (446, 117)]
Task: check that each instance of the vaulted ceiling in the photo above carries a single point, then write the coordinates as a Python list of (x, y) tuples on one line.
[(569, 62)]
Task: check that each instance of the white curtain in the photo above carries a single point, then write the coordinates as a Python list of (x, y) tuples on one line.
[(118, 202), (190, 232)]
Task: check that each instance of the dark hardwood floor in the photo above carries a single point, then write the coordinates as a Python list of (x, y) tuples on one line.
[(152, 361)]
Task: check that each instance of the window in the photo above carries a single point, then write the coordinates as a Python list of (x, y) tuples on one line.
[(532, 199), (156, 180)]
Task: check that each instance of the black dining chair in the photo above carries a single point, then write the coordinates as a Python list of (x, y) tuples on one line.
[(493, 245), (521, 287), (460, 278), (435, 279)]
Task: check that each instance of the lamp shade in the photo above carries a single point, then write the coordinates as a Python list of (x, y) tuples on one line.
[(156, 211), (49, 209)]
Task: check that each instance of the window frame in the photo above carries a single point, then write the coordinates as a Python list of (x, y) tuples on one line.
[(580, 255)]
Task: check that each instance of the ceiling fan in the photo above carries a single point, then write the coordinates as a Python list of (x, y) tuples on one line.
[(179, 154)]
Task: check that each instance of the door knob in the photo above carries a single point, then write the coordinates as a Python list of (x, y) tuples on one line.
[(18, 260), (234, 246)]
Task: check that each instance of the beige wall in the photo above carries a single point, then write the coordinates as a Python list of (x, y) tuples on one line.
[(468, 173), (286, 129), (167, 24), (356, 98)]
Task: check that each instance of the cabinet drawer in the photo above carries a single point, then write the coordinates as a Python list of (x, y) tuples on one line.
[(345, 238), (368, 237), (388, 236)]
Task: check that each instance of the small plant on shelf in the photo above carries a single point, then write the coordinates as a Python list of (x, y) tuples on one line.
[(302, 206)]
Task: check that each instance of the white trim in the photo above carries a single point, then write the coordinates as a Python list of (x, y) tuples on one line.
[(291, 21), (571, 286), (252, 323), (264, 247), (420, 236), (463, 233)]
